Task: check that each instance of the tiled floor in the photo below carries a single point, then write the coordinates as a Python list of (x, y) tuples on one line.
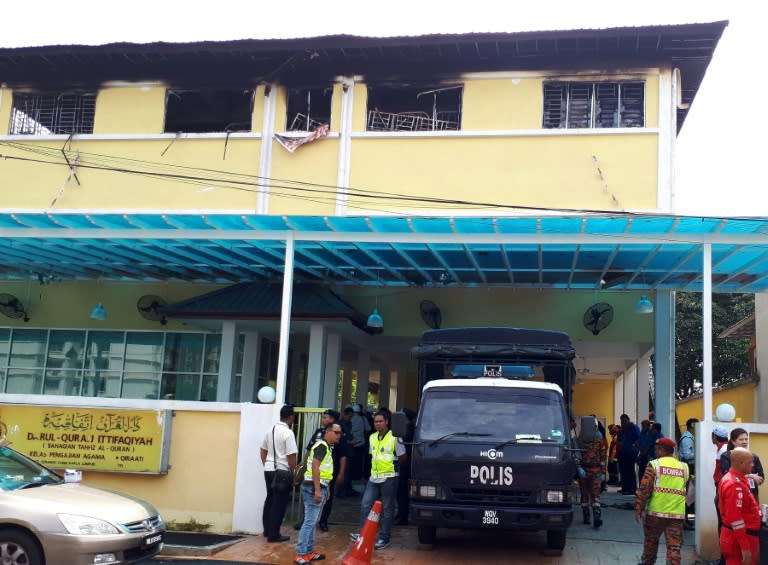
[(618, 542)]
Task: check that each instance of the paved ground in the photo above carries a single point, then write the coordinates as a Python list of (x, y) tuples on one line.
[(618, 542)]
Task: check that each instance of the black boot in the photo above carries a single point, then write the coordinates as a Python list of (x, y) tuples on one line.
[(598, 516), (585, 511)]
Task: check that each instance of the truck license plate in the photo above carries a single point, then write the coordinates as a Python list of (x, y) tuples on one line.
[(491, 518)]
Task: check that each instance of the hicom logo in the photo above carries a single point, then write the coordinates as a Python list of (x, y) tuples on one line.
[(492, 454)]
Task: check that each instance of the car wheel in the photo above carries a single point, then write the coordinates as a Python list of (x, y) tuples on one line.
[(427, 534), (556, 540), (18, 548)]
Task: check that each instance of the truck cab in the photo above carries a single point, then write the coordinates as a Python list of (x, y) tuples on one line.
[(493, 446)]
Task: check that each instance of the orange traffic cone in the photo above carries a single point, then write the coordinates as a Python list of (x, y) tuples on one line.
[(362, 550)]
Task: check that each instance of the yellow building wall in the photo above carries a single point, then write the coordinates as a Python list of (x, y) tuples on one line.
[(360, 103), (68, 304), (741, 397), (201, 480), (502, 104), (555, 171), (593, 396), (315, 163), (134, 109), (551, 310), (6, 103), (257, 118), (758, 444), (103, 187)]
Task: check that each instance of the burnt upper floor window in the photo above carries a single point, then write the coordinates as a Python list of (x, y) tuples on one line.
[(414, 108), (594, 105), (52, 113), (205, 111), (308, 108)]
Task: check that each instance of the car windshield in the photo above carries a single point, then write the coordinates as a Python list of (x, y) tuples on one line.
[(493, 415), (18, 472)]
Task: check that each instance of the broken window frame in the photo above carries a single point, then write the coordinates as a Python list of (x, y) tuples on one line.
[(187, 121), (52, 113), (396, 115), (593, 104), (308, 108)]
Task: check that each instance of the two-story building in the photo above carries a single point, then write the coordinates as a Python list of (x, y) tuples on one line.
[(164, 206)]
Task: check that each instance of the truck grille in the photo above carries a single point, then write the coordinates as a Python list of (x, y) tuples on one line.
[(148, 525), (492, 497)]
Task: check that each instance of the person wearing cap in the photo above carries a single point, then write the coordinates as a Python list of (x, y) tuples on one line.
[(720, 441), (740, 532), (661, 499)]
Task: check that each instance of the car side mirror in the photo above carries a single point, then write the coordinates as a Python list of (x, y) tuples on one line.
[(399, 424), (588, 429)]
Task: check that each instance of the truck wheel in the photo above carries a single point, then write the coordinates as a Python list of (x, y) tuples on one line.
[(556, 540), (17, 547), (427, 535)]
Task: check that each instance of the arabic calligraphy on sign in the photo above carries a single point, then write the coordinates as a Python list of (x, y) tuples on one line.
[(128, 441)]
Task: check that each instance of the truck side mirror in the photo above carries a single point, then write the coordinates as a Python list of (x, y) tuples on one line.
[(588, 429), (399, 424)]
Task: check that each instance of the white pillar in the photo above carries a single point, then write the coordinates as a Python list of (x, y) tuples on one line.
[(363, 370), (395, 399), (346, 387), (331, 371), (315, 367), (630, 394), (618, 397), (384, 382), (706, 536), (761, 352), (250, 488), (643, 385), (706, 327), (227, 362), (664, 367), (285, 323), (251, 354)]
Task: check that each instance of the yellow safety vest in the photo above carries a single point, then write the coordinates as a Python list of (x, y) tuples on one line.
[(383, 456), (668, 496), (326, 465)]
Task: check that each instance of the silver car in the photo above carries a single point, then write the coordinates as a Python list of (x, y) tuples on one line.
[(47, 521)]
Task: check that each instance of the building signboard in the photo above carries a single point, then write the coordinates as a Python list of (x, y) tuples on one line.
[(90, 439)]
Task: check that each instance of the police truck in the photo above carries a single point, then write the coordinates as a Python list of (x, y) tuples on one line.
[(493, 447)]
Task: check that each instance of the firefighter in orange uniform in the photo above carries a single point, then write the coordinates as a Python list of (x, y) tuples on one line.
[(739, 536)]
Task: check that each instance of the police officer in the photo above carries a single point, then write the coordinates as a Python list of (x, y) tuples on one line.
[(385, 450), (314, 492), (661, 497), (739, 536)]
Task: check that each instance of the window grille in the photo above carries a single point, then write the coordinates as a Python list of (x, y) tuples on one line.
[(411, 108), (575, 105), (50, 114)]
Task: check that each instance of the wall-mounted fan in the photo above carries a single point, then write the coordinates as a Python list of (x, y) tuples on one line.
[(12, 307), (598, 317), (430, 314), (150, 307)]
